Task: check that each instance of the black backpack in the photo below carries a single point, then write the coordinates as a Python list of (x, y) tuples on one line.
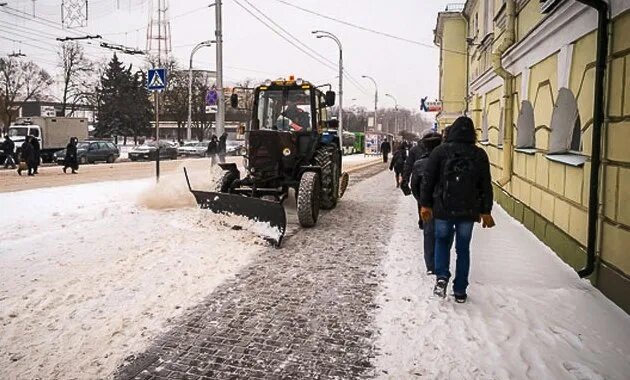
[(459, 183)]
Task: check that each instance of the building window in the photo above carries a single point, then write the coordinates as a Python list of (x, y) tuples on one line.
[(566, 128), (526, 127), (484, 127)]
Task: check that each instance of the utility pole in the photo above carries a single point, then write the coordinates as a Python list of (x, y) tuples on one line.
[(190, 81), (324, 34), (220, 119), (395, 112)]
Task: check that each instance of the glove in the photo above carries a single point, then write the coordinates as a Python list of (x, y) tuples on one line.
[(426, 213), (404, 186), (487, 221)]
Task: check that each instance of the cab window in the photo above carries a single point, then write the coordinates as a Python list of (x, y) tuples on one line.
[(285, 110), (34, 132)]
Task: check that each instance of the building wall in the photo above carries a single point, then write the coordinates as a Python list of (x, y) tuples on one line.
[(452, 42), (552, 52)]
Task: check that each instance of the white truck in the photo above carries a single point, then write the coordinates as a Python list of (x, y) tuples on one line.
[(53, 133)]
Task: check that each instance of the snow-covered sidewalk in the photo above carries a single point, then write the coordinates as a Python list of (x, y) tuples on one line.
[(528, 315)]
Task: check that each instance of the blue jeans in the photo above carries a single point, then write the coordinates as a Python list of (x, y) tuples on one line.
[(444, 231)]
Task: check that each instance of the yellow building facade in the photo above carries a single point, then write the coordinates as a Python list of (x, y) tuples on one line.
[(530, 91)]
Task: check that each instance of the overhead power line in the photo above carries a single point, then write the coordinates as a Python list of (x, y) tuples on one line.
[(302, 49), (363, 28)]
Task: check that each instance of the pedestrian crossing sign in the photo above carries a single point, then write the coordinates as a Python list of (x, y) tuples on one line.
[(156, 80)]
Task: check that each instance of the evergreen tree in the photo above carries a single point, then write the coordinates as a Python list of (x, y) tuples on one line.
[(125, 108)]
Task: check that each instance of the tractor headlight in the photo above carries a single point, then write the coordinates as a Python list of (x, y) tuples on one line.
[(299, 81), (268, 82)]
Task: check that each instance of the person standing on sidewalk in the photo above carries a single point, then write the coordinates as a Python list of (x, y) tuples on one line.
[(212, 150), (430, 141), (71, 160), (8, 146), (457, 192), (222, 147), (397, 164), (27, 157), (36, 154), (385, 149)]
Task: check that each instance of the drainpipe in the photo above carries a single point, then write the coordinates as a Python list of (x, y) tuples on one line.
[(598, 119), (508, 83)]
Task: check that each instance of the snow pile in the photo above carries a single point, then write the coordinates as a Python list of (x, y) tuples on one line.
[(87, 277), (528, 314)]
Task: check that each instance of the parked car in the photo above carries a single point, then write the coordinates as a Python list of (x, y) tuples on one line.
[(193, 148), (235, 148), (91, 151), (147, 151)]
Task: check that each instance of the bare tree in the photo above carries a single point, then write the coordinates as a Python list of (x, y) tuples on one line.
[(77, 70), (20, 82)]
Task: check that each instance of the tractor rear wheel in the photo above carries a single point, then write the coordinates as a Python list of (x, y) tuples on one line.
[(308, 199), (328, 159)]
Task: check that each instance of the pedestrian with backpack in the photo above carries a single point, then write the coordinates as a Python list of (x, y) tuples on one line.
[(430, 141), (456, 192)]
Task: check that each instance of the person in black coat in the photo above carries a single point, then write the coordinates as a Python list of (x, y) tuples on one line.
[(456, 192), (36, 154), (71, 160), (27, 155), (414, 154), (430, 141), (385, 149), (213, 149), (222, 147), (398, 161), (8, 146)]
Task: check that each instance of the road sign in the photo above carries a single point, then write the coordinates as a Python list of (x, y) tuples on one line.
[(212, 109), (156, 80), (212, 96)]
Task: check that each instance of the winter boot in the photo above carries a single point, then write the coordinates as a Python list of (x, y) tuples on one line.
[(64, 169), (440, 287), (460, 298)]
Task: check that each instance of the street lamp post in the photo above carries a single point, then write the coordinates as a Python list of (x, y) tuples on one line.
[(375, 100), (220, 120), (190, 80), (396, 111), (375, 105), (324, 34)]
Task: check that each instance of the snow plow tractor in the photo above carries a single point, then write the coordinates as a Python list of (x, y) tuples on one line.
[(292, 143)]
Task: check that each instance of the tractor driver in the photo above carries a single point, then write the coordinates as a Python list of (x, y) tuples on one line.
[(298, 118)]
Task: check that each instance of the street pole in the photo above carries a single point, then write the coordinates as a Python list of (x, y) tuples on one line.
[(375, 102), (156, 95), (220, 120), (395, 113), (324, 34), (190, 81)]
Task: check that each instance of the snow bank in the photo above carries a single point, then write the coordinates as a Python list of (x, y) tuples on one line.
[(528, 315), (88, 276)]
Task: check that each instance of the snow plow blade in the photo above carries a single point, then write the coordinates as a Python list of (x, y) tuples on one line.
[(252, 208)]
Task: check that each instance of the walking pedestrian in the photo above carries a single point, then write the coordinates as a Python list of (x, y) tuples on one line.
[(71, 160), (222, 147), (414, 155), (397, 164), (430, 142), (457, 192), (212, 150), (27, 157), (385, 149), (36, 154), (8, 147)]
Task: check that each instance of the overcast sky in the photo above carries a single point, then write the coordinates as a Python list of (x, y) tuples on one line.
[(406, 70)]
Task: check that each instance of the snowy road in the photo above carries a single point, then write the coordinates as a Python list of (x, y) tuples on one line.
[(93, 272)]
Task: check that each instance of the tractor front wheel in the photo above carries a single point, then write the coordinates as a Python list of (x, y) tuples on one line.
[(327, 158), (308, 199)]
